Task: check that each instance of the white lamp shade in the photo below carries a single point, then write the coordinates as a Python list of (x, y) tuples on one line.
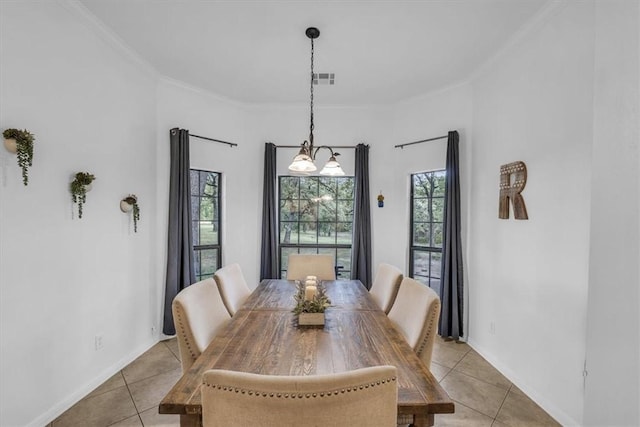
[(302, 163), (332, 168)]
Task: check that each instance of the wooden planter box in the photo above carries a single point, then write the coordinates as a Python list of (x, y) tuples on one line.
[(311, 319)]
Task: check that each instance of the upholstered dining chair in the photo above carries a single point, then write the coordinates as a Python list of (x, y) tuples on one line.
[(385, 286), (198, 315), (416, 312), (232, 287), (364, 397), (303, 265)]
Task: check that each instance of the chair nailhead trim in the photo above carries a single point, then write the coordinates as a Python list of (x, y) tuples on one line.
[(299, 395)]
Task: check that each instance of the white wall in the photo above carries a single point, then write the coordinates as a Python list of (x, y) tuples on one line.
[(64, 280), (613, 333), (529, 278)]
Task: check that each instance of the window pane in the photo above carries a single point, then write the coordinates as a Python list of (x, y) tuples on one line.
[(208, 262), (438, 183), (421, 185), (345, 210), (421, 210), (308, 210), (289, 210), (344, 233), (289, 186), (284, 257), (421, 263), (436, 230), (194, 180), (344, 259), (345, 188), (289, 232), (328, 186), (308, 233), (308, 188), (206, 208), (436, 264), (437, 209), (195, 232), (326, 233), (327, 211), (421, 233), (309, 251), (208, 233), (435, 285), (195, 208)]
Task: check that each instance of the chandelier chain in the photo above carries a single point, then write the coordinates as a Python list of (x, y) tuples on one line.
[(311, 98)]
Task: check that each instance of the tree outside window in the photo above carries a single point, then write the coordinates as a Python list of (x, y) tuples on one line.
[(316, 217), (205, 222), (427, 211)]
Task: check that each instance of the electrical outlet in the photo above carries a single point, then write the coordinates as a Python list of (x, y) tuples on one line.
[(492, 328), (98, 342)]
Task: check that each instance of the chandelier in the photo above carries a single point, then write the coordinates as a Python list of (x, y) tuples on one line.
[(303, 162)]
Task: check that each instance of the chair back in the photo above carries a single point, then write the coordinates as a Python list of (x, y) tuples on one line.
[(232, 287), (303, 265), (364, 397), (198, 315), (416, 313), (385, 286)]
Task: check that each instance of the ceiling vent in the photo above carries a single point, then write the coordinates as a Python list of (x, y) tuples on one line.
[(324, 78)]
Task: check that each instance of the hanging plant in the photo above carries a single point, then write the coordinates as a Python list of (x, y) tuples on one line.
[(20, 142), (128, 204), (79, 187)]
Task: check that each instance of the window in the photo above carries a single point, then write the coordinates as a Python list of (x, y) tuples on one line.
[(316, 217), (427, 211), (205, 217)]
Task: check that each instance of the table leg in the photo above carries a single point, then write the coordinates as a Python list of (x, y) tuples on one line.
[(423, 420), (190, 420)]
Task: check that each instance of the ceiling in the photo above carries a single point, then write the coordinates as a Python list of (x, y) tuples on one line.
[(257, 51)]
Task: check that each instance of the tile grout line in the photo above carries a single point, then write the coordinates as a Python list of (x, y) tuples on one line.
[(502, 404)]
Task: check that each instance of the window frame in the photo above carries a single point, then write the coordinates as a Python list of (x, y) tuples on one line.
[(319, 247), (197, 249), (429, 249)]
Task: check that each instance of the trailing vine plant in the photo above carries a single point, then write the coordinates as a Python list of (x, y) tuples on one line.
[(24, 144), (132, 200), (79, 189)]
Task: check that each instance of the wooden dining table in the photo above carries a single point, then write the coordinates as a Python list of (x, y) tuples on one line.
[(264, 337)]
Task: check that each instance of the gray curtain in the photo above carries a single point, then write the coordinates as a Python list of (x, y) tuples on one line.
[(451, 287), (361, 250), (269, 265), (180, 268)]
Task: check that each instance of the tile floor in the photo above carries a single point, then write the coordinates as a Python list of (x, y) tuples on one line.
[(482, 395)]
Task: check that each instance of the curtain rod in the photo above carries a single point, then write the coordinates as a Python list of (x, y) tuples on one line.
[(332, 146), (232, 144), (421, 141)]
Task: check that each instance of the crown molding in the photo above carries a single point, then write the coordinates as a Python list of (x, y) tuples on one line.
[(84, 15)]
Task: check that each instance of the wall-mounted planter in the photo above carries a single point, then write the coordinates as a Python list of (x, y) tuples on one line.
[(130, 204), (20, 142), (79, 188)]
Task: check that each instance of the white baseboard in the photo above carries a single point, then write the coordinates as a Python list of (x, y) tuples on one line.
[(537, 397), (66, 403)]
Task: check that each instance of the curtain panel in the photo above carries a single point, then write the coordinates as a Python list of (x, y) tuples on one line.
[(180, 268), (269, 263), (361, 249), (451, 287)]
